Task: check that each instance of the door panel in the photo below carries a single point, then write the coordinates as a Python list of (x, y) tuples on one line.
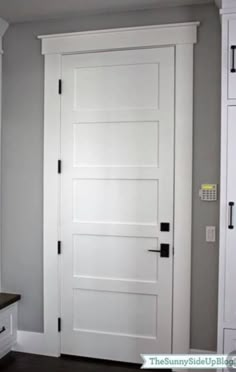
[(231, 52), (115, 201), (116, 144), (123, 86), (119, 252), (134, 314), (230, 299), (117, 152)]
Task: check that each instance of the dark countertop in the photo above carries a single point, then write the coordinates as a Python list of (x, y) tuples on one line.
[(7, 299)]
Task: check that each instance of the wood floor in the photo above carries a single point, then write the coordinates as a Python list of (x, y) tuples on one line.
[(19, 362)]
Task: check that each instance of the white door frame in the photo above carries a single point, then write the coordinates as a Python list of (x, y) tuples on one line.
[(3, 28), (183, 36)]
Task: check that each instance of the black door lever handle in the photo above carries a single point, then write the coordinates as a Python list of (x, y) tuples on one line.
[(231, 205), (233, 67), (2, 330), (164, 251)]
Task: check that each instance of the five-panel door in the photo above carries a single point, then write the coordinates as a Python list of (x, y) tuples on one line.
[(117, 151)]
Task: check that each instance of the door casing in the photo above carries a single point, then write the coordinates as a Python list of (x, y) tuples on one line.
[(183, 37)]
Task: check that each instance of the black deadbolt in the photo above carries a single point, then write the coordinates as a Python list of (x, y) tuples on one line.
[(165, 226)]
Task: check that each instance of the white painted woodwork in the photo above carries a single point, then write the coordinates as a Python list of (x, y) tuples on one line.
[(8, 321), (231, 75), (116, 296), (183, 190), (119, 252), (115, 201), (120, 38), (3, 28), (50, 345), (121, 314), (230, 253), (130, 136), (229, 341), (227, 256), (182, 37)]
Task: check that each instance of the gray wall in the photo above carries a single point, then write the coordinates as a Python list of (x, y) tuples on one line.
[(22, 159)]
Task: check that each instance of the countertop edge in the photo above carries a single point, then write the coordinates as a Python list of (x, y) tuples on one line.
[(8, 299)]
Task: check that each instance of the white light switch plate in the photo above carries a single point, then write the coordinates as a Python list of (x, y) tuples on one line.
[(210, 234)]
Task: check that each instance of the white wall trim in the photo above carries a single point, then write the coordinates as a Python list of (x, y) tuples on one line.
[(52, 132), (3, 28), (135, 37), (183, 197), (54, 47), (33, 343), (198, 351)]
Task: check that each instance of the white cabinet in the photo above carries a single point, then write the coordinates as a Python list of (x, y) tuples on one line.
[(229, 341), (8, 321), (227, 256), (230, 245), (8, 328), (232, 58)]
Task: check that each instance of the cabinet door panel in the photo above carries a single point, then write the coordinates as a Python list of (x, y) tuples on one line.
[(229, 341), (232, 60), (230, 272)]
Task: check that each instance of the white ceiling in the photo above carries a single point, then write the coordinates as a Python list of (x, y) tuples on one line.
[(28, 10)]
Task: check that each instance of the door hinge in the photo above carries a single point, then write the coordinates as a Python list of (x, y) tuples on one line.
[(59, 247), (59, 86), (59, 167), (59, 324)]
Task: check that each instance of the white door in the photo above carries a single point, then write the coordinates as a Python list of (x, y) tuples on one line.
[(117, 151)]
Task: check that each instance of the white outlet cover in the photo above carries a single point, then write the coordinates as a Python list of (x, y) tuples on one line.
[(210, 234)]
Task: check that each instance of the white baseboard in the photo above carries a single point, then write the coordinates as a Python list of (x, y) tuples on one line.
[(198, 351), (33, 343), (36, 343)]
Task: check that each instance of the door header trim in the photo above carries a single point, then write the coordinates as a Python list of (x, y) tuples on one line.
[(120, 38)]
